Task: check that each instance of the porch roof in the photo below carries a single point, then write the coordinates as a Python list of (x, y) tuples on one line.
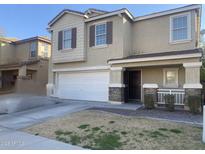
[(159, 56)]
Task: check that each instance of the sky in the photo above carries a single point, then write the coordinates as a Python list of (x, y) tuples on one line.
[(24, 21)]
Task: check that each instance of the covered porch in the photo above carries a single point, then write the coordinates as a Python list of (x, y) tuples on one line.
[(176, 73), (11, 75)]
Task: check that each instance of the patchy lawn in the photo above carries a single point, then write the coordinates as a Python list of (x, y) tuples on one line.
[(101, 130)]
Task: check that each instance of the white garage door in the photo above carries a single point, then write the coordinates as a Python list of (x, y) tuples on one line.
[(83, 85)]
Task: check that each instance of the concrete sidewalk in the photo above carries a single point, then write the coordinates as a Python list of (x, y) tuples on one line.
[(16, 140), (11, 124)]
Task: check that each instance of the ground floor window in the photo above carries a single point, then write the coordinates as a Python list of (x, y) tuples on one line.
[(170, 77)]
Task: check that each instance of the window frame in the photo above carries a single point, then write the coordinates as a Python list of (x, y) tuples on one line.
[(188, 15), (68, 29), (102, 23), (36, 48), (176, 81)]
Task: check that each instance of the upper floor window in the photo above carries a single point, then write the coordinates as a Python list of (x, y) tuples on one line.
[(67, 39), (180, 27), (33, 49), (100, 34)]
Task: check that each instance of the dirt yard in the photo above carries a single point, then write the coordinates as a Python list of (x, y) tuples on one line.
[(101, 130)]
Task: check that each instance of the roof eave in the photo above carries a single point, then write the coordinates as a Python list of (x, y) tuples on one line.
[(61, 14), (177, 10), (111, 14)]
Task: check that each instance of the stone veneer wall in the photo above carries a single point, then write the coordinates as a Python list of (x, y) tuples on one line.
[(152, 91), (116, 94), (190, 92)]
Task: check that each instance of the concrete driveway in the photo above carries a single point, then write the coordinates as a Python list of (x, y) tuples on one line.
[(11, 124)]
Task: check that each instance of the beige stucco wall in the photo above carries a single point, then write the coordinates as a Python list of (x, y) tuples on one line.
[(127, 37), (96, 56), (23, 51), (7, 53), (152, 35), (37, 85), (155, 75), (146, 36), (66, 22), (41, 49)]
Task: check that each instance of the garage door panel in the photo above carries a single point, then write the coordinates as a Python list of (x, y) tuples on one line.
[(83, 86)]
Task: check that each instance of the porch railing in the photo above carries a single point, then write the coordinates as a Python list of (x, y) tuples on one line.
[(178, 93)]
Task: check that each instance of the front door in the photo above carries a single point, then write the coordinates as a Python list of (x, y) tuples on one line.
[(134, 85)]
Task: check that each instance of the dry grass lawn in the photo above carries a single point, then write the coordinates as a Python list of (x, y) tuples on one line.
[(102, 130)]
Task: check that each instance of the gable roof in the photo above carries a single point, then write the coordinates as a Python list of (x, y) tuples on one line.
[(105, 14), (96, 11), (7, 40), (167, 12), (59, 15), (44, 39)]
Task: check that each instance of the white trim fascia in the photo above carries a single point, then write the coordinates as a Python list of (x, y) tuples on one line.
[(194, 64), (110, 14), (117, 68), (150, 85), (155, 58), (120, 85), (192, 86), (82, 69), (115, 102), (171, 41), (177, 10)]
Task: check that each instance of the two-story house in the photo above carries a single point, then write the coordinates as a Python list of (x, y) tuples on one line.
[(24, 65), (116, 57)]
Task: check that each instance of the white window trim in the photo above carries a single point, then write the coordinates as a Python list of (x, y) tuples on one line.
[(63, 39), (101, 45), (177, 77), (171, 41)]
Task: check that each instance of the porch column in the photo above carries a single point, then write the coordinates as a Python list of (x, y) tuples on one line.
[(116, 86), (192, 84), (0, 79), (22, 71)]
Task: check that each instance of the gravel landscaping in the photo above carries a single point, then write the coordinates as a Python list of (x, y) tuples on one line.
[(178, 115), (94, 129)]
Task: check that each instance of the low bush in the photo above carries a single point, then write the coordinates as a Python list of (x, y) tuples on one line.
[(194, 103), (149, 101), (169, 102)]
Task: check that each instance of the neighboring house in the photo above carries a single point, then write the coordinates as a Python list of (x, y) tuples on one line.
[(202, 39), (113, 56), (24, 65)]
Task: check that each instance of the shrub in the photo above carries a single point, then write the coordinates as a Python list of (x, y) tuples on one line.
[(169, 102), (149, 101), (194, 103)]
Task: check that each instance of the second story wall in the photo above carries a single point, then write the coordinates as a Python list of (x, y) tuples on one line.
[(127, 37), (23, 51), (67, 22), (44, 49), (100, 54), (153, 35), (7, 54)]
